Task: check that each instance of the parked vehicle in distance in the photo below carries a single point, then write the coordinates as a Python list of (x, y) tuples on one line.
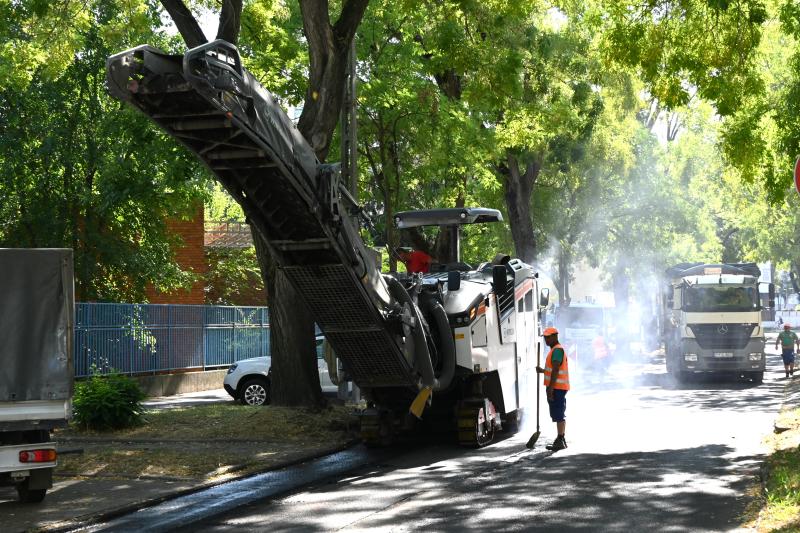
[(36, 378), (712, 319), (249, 380)]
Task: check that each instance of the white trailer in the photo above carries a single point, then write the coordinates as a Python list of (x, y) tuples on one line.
[(36, 377)]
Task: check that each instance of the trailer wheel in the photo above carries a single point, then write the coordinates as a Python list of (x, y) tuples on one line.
[(28, 495), (255, 391)]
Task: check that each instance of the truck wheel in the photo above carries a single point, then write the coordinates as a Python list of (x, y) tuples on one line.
[(757, 377), (681, 376), (255, 391), (28, 495)]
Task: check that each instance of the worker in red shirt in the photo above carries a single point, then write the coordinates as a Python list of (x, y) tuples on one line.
[(415, 260)]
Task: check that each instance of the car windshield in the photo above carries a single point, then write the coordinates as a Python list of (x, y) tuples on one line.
[(720, 298)]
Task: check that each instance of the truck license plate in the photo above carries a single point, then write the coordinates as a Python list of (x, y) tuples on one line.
[(723, 355)]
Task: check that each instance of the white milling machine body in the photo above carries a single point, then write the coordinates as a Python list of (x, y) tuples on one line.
[(458, 344)]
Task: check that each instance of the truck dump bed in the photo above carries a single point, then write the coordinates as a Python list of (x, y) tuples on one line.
[(37, 313)]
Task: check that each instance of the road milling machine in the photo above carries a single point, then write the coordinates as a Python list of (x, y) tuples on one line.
[(455, 347)]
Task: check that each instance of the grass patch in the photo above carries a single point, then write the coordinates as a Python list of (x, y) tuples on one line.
[(206, 442), (234, 422), (780, 502)]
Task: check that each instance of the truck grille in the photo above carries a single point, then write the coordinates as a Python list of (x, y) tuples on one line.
[(722, 336)]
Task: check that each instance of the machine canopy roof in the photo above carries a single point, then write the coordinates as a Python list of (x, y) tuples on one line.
[(446, 217)]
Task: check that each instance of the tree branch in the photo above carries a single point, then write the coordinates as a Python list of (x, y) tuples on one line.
[(345, 28), (230, 21), (185, 22)]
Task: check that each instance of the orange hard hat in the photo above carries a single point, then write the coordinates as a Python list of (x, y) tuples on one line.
[(550, 331)]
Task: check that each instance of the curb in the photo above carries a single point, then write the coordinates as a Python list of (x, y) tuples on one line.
[(101, 516)]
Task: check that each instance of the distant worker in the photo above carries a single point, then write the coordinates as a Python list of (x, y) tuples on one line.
[(788, 341), (601, 355), (556, 382), (415, 260)]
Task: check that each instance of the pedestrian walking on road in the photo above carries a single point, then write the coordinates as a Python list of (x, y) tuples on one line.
[(556, 382), (788, 341)]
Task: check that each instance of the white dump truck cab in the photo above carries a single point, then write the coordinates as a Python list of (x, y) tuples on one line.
[(713, 320)]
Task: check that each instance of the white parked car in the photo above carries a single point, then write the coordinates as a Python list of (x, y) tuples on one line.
[(248, 380)]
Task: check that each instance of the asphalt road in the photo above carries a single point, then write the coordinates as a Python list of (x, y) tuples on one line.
[(644, 454)]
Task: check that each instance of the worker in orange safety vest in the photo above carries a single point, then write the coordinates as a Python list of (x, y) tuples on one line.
[(556, 382), (601, 354)]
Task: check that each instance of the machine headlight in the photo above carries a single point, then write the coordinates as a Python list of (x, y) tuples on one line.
[(688, 333), (756, 332), (232, 368), (690, 357), (754, 357)]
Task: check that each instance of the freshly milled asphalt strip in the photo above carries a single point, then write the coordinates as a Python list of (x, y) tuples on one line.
[(201, 505)]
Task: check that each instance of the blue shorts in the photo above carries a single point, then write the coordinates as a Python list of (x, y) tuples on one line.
[(788, 356), (558, 405)]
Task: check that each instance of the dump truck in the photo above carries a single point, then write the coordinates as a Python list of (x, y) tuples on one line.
[(712, 319), (36, 377), (454, 347)]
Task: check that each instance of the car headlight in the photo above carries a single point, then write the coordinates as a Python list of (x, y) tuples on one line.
[(754, 357), (232, 368), (690, 357)]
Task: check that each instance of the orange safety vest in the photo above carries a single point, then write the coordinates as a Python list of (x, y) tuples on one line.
[(600, 348), (562, 380)]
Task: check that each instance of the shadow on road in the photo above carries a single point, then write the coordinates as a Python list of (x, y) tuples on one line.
[(692, 489)]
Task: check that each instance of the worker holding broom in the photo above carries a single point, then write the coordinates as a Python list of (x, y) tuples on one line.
[(556, 382)]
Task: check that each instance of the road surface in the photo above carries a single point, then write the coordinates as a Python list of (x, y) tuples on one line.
[(644, 454)]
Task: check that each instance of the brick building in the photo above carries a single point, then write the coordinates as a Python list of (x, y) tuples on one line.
[(191, 256)]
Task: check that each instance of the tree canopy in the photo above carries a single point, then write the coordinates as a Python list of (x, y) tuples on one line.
[(623, 135)]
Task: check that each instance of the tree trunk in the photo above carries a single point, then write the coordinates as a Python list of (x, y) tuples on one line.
[(622, 283), (294, 363), (295, 375), (564, 299), (328, 49), (517, 189)]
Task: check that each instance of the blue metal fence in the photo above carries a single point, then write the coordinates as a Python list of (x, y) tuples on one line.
[(151, 338)]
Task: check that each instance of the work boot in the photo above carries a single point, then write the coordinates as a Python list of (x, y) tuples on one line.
[(559, 444)]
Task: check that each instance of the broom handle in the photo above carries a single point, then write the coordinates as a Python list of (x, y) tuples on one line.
[(538, 356)]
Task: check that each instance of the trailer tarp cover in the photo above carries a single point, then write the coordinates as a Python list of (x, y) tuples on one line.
[(36, 318)]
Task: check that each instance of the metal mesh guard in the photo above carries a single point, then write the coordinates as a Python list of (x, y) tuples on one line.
[(368, 355), (333, 297)]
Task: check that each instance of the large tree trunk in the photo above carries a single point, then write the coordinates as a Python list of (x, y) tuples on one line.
[(328, 49), (517, 189), (295, 375), (564, 260), (621, 283), (294, 361)]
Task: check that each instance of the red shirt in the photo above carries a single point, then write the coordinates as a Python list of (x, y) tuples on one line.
[(417, 261)]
